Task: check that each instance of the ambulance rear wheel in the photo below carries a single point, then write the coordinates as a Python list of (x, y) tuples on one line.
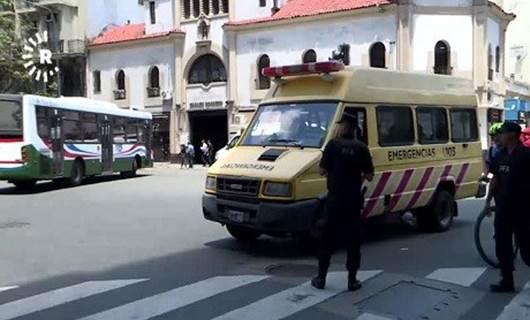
[(439, 215), (243, 234)]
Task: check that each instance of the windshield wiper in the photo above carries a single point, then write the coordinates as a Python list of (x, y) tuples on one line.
[(288, 142)]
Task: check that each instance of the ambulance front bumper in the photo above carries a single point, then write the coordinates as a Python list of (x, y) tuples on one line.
[(267, 217)]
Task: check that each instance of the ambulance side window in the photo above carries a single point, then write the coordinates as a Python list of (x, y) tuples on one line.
[(432, 125), (464, 125), (395, 126), (360, 113)]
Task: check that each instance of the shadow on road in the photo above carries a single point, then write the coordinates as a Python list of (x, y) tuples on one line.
[(49, 186)]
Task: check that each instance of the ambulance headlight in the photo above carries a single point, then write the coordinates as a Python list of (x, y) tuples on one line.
[(211, 183), (277, 189)]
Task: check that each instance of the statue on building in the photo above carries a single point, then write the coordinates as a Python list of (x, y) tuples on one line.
[(204, 27)]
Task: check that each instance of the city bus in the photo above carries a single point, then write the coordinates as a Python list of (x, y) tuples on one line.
[(421, 129), (69, 139)]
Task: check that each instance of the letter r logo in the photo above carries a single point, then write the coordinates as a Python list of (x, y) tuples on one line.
[(45, 56)]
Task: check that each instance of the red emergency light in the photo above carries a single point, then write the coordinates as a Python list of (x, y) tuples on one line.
[(301, 69)]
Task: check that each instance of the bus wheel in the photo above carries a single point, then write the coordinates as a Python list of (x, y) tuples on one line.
[(76, 177), (243, 234), (132, 172), (439, 215), (26, 184)]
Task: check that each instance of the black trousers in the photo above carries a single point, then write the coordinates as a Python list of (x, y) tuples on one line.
[(341, 226), (511, 223)]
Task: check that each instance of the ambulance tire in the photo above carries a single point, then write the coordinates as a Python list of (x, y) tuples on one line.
[(439, 215), (243, 234)]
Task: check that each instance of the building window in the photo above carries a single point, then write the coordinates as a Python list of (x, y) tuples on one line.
[(263, 82), (196, 8), (378, 55), (442, 58), (497, 59), (120, 80), (215, 7), (152, 11), (153, 90), (207, 69), (490, 63), (206, 7), (225, 6), (309, 56), (187, 9), (262, 3), (96, 78)]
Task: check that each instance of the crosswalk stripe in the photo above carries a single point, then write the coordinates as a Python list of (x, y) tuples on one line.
[(177, 298), (290, 301), (60, 296), (369, 316), (461, 276), (519, 307), (7, 288)]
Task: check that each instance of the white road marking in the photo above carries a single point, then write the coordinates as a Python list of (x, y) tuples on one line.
[(177, 298), (461, 276), (7, 288), (519, 307), (60, 296), (369, 316), (290, 301)]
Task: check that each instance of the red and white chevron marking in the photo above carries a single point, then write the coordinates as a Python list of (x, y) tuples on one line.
[(409, 188)]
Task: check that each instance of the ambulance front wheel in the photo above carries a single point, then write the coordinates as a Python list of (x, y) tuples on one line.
[(243, 234), (439, 215)]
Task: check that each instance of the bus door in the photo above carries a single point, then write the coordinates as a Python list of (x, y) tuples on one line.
[(57, 145), (148, 133), (107, 152)]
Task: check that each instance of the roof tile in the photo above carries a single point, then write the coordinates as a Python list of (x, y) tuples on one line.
[(126, 33)]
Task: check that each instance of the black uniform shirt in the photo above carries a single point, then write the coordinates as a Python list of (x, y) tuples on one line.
[(345, 160), (512, 172)]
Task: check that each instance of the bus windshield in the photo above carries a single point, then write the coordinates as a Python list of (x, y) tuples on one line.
[(297, 124), (10, 119)]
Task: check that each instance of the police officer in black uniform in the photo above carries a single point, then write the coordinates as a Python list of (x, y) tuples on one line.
[(346, 162), (509, 187)]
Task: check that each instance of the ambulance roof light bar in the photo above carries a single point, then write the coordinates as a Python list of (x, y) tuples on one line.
[(301, 69)]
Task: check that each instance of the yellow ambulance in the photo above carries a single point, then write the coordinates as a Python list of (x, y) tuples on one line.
[(422, 131)]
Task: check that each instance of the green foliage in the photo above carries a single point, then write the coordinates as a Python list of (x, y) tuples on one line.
[(14, 77)]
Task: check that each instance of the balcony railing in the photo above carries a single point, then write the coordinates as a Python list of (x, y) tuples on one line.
[(120, 94), (153, 92), (68, 46)]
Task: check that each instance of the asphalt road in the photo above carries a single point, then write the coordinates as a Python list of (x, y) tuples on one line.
[(140, 248)]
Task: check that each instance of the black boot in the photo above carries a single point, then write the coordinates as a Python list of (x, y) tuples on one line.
[(353, 283), (506, 285), (319, 282)]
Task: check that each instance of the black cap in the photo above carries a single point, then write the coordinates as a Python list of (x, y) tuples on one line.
[(511, 127), (348, 118)]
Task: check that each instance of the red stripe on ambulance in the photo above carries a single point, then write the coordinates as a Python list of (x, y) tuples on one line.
[(372, 201), (421, 187), (462, 175), (399, 191)]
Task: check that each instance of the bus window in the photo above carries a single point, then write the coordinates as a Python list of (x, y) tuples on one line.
[(118, 130), (464, 125), (142, 128), (73, 130), (10, 119), (90, 128), (43, 122), (132, 131), (360, 113), (432, 125), (394, 125)]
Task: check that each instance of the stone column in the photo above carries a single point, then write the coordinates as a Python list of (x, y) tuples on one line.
[(404, 37)]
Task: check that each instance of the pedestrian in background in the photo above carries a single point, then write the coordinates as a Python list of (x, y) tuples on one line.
[(211, 155), (345, 162), (204, 153), (509, 187), (183, 156), (190, 154)]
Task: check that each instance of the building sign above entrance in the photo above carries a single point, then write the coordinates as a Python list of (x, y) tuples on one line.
[(207, 105)]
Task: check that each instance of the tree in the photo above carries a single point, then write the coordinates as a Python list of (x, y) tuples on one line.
[(14, 78)]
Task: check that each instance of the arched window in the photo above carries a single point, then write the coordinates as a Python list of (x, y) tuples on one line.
[(207, 69), (263, 82), (96, 76), (225, 6), (215, 6), (206, 7), (196, 8), (186, 9), (154, 77), (378, 55), (442, 58), (490, 63), (120, 80), (309, 56), (497, 59)]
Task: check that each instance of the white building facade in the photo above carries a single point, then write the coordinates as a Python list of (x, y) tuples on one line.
[(208, 54)]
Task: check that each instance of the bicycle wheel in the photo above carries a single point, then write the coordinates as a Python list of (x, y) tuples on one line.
[(485, 238)]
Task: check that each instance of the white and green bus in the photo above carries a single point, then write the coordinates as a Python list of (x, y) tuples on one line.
[(68, 139)]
